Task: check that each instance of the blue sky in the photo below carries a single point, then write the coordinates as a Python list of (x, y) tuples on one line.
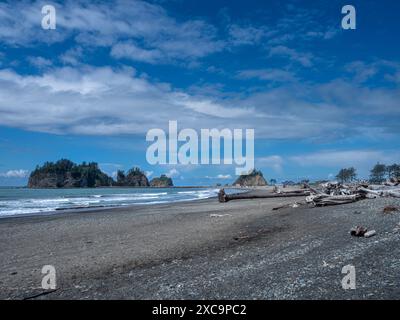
[(318, 97)]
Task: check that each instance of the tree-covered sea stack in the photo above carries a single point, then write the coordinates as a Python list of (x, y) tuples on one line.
[(66, 174)]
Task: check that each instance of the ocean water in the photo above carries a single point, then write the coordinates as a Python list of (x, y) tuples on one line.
[(22, 201)]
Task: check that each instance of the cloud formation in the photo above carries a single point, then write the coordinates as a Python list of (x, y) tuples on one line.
[(18, 173), (109, 24), (110, 101)]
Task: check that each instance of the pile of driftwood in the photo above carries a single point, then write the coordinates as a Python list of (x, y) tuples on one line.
[(326, 194)]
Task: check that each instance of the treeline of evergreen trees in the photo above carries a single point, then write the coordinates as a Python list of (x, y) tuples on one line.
[(378, 174)]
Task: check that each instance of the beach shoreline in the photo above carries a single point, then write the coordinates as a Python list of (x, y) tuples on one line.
[(202, 250), (29, 202), (94, 209)]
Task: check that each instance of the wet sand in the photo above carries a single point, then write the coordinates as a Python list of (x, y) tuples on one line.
[(203, 249)]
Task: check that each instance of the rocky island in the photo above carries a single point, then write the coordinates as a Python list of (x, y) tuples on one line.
[(254, 179), (162, 182), (67, 174), (134, 178)]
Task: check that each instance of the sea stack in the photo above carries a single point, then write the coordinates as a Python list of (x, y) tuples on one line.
[(162, 182), (134, 178), (253, 179), (66, 174)]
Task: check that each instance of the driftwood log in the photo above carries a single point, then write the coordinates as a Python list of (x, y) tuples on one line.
[(327, 200), (381, 193), (259, 194)]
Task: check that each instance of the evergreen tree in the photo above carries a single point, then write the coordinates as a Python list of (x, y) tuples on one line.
[(378, 173), (347, 175)]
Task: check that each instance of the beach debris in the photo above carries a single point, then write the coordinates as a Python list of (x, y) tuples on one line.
[(215, 215), (369, 234), (381, 192), (320, 200), (326, 194), (358, 231), (290, 205), (390, 209), (240, 238), (327, 265), (40, 294), (392, 182), (222, 196)]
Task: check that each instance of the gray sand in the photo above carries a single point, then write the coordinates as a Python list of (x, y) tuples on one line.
[(204, 249)]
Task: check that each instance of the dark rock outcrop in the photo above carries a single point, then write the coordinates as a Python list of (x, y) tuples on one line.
[(161, 182), (134, 178), (66, 174), (253, 179)]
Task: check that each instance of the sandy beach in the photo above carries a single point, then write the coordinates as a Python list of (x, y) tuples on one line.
[(204, 250)]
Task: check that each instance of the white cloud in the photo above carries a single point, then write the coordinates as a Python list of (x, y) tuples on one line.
[(326, 34), (224, 176), (72, 56), (172, 173), (274, 75), (301, 24), (361, 70), (364, 71), (220, 176), (245, 35), (305, 59), (274, 162), (208, 107), (108, 164), (39, 62), (19, 173), (133, 52)]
